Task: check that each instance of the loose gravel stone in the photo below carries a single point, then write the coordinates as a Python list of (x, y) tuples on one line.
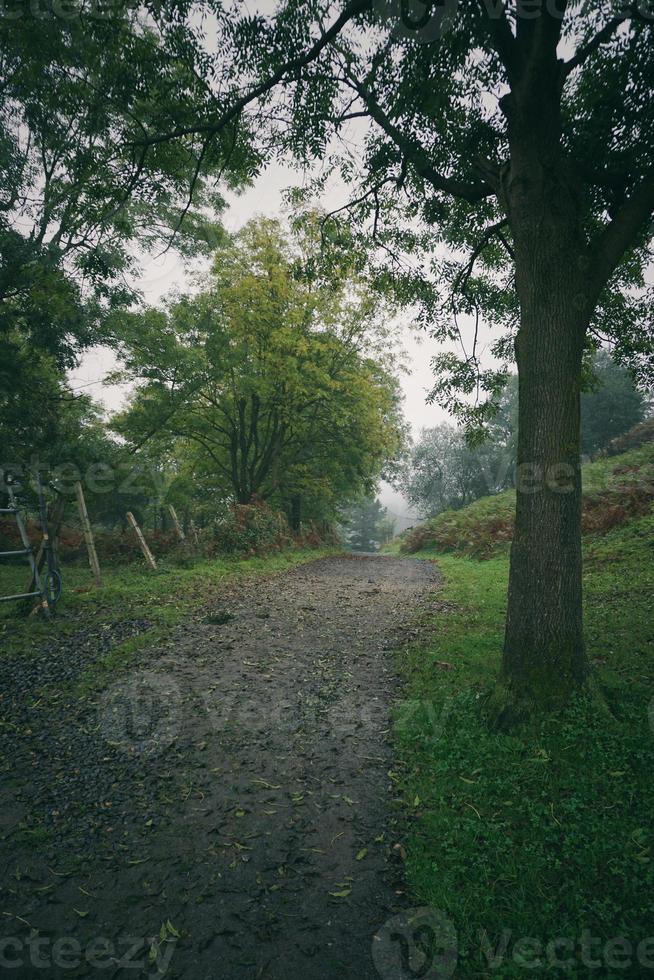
[(232, 784)]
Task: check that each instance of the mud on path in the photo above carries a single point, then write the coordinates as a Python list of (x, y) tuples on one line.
[(223, 811)]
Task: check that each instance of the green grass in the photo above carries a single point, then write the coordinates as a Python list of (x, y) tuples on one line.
[(543, 832), (638, 465)]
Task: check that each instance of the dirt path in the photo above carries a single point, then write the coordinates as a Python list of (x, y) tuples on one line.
[(235, 786)]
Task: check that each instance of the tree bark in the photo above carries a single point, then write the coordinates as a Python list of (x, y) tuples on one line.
[(544, 658)]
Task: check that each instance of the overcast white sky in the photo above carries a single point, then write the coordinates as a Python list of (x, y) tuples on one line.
[(161, 275)]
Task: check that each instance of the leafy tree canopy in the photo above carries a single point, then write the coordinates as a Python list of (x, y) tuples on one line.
[(274, 377), (82, 89), (610, 406), (81, 85), (437, 102), (445, 473)]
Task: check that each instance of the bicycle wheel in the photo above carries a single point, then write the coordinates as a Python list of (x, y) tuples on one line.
[(53, 587)]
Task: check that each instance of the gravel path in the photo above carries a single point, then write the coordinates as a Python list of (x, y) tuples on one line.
[(226, 804)]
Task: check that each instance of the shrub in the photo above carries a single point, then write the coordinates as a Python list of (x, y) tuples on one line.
[(640, 435), (250, 529), (242, 530)]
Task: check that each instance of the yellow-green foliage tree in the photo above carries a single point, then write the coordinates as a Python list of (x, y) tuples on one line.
[(273, 378)]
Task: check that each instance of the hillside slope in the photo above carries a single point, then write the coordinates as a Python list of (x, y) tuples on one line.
[(616, 490), (546, 832)]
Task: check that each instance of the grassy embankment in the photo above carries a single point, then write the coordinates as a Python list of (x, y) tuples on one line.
[(543, 833)]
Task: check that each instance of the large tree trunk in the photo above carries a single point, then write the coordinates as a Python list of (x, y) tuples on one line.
[(544, 657)]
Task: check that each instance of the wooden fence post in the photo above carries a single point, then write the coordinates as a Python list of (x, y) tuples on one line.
[(88, 534), (178, 526), (149, 557), (193, 531)]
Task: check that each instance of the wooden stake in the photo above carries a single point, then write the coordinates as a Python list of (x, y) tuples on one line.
[(194, 534), (88, 534), (178, 526), (149, 557)]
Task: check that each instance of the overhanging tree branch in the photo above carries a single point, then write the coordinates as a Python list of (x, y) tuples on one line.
[(461, 283), (415, 153), (371, 192), (621, 233), (231, 114), (501, 35), (585, 52)]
